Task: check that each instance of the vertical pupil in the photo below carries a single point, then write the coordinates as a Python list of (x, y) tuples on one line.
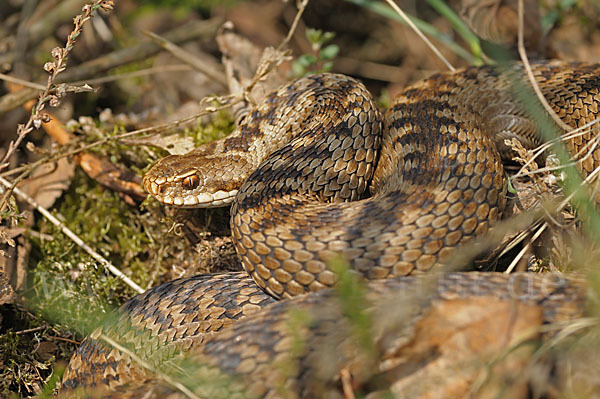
[(190, 182)]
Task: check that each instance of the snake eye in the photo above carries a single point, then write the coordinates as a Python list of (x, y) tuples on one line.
[(190, 182)]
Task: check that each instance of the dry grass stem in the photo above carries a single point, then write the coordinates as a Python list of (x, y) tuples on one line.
[(164, 377), (212, 69), (524, 250), (420, 34), (142, 51), (136, 74), (517, 239), (51, 95), (587, 180), (12, 79), (587, 149), (114, 270), (527, 65), (301, 7)]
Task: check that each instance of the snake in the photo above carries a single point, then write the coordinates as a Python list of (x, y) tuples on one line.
[(317, 175)]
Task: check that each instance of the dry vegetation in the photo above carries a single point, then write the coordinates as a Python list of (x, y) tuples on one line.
[(111, 100)]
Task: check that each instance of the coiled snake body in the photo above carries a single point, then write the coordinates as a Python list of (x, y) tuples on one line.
[(320, 174)]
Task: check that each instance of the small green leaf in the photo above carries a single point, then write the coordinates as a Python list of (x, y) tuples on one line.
[(327, 66), (314, 35), (329, 52), (298, 70), (306, 60), (327, 36), (510, 188)]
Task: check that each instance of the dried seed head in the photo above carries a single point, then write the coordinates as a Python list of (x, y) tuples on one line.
[(107, 5), (57, 52), (54, 101), (49, 67)]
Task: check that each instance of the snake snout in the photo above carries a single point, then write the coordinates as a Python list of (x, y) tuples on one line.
[(180, 180)]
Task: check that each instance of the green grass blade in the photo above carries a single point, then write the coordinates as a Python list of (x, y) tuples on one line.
[(460, 27), (428, 29)]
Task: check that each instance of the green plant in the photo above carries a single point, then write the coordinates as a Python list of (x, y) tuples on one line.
[(321, 58)]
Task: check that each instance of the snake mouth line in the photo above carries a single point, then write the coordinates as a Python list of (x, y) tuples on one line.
[(168, 194), (202, 200)]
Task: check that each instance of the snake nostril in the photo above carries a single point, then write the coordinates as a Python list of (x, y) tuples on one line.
[(190, 182)]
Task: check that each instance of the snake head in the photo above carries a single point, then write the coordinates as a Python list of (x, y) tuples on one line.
[(196, 180)]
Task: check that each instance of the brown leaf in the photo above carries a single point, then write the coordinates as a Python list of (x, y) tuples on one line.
[(241, 59), (497, 21), (107, 174), (49, 181), (455, 347), (46, 349)]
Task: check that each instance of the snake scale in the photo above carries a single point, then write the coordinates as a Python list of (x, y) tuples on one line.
[(315, 172)]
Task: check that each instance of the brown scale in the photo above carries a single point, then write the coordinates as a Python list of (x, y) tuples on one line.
[(432, 165), (156, 325), (438, 183), (298, 348)]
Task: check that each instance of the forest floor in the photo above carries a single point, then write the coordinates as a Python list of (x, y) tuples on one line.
[(147, 98)]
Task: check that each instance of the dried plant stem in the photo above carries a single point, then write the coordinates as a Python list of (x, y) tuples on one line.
[(420, 34), (114, 270), (54, 68), (208, 66), (177, 385), (527, 65), (565, 137), (141, 51), (301, 7), (521, 253), (21, 82)]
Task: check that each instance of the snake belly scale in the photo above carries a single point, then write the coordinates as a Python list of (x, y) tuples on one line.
[(315, 172)]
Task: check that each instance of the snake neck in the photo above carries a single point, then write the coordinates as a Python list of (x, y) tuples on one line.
[(284, 123)]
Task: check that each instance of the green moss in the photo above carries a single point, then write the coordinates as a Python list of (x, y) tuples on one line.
[(28, 351), (221, 124), (68, 285), (71, 288)]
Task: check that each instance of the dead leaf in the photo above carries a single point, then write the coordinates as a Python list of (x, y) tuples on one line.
[(454, 351), (497, 21), (46, 350), (241, 59), (49, 181), (104, 172)]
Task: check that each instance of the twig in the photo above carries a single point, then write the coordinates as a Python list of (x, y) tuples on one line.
[(147, 366), (517, 258), (21, 82), (274, 57), (72, 236), (30, 330), (565, 137), (207, 66), (420, 34), (301, 7), (527, 65), (117, 58), (71, 341), (54, 68), (135, 74), (46, 26)]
